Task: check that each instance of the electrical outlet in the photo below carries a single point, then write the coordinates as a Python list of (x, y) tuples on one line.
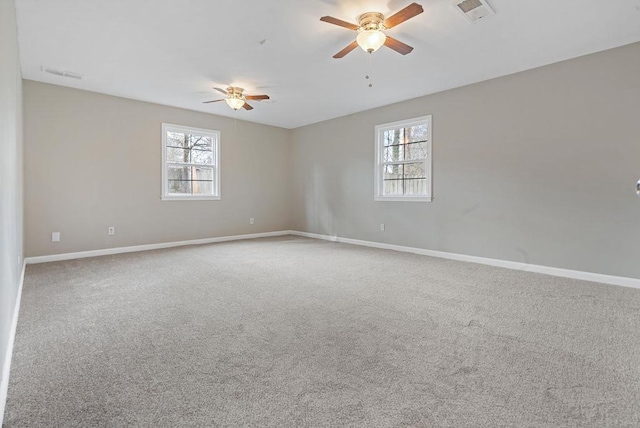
[(382, 227), (55, 236), (112, 230), (251, 220)]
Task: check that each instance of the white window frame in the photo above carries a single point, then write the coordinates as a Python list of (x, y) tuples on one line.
[(215, 137), (380, 164)]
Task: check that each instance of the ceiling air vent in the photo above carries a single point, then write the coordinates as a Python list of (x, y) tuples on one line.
[(474, 10), (61, 73)]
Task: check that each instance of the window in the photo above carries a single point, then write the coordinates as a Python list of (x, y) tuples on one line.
[(190, 163), (403, 160)]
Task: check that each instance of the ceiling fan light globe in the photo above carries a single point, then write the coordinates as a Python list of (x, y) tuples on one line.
[(235, 103), (371, 40)]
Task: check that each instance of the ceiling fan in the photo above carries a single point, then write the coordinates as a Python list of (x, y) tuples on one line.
[(236, 99), (370, 28)]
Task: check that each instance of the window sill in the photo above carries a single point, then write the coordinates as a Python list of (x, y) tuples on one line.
[(190, 198), (402, 199)]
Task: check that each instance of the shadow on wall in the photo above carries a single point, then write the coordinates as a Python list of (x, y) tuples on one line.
[(334, 197), (319, 195), (325, 200)]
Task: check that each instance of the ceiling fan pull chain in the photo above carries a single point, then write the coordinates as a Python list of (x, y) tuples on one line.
[(368, 75)]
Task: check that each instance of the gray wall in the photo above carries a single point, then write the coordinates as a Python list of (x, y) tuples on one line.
[(94, 161), (11, 230), (536, 167)]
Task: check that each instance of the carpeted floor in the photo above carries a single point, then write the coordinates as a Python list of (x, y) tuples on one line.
[(299, 332)]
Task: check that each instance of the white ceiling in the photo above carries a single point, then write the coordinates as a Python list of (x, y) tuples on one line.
[(173, 51)]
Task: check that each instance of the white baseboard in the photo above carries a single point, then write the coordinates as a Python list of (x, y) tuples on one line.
[(136, 248), (548, 270), (566, 273), (6, 369)]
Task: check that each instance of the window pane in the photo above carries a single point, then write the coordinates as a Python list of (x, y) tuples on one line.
[(392, 180), (179, 179), (202, 173), (179, 172), (202, 181), (414, 170), (175, 139), (181, 187), (415, 187), (202, 156), (392, 188), (417, 133), (198, 141), (394, 153), (203, 187), (177, 155), (393, 136), (392, 172), (415, 151)]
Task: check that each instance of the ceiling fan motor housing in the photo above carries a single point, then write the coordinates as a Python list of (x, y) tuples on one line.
[(371, 21), (235, 92)]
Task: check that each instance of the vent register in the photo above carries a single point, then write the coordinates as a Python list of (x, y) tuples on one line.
[(474, 10)]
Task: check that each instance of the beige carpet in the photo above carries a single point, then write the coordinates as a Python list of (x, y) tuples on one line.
[(300, 332)]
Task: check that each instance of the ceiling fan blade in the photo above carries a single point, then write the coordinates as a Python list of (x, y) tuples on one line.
[(257, 97), (397, 45), (339, 22), (247, 107), (213, 101), (407, 13), (346, 50), (222, 91)]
